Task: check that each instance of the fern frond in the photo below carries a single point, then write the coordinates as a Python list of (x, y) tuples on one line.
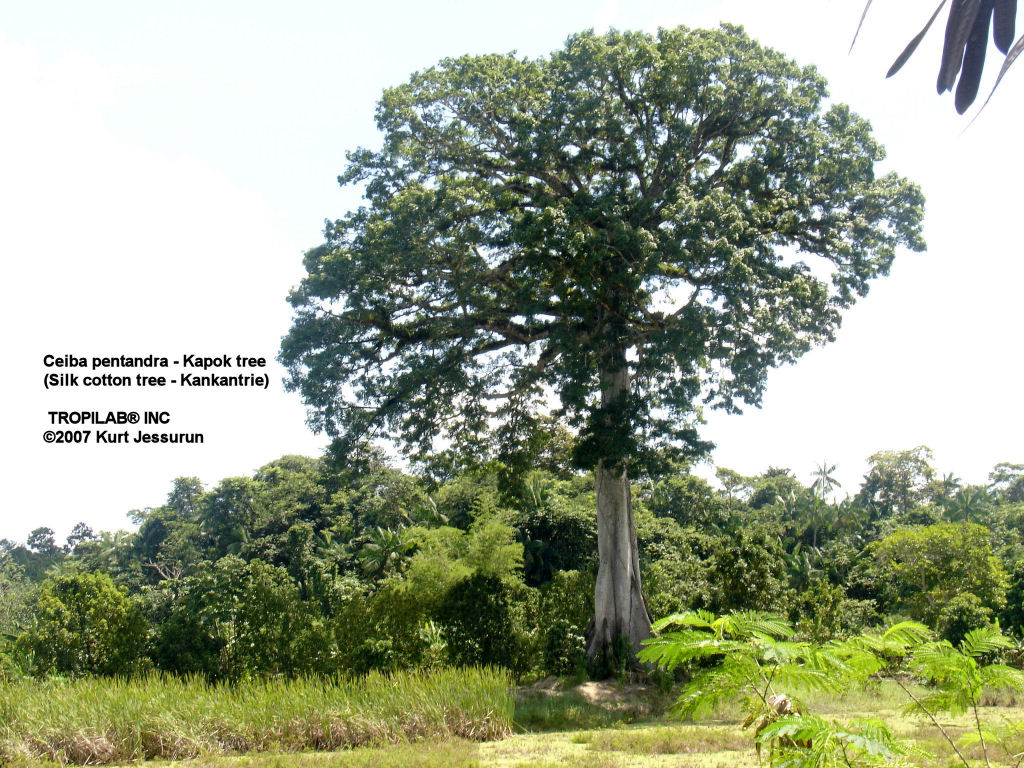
[(808, 740), (791, 677), (750, 623), (998, 676), (674, 648), (907, 632), (973, 737), (781, 652), (939, 701), (895, 642), (709, 689), (984, 640), (873, 739), (702, 619), (937, 661), (861, 657), (795, 727)]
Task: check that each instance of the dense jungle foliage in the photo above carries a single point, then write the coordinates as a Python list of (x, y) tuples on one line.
[(311, 567)]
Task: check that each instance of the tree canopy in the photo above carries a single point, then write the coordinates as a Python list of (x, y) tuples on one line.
[(530, 223)]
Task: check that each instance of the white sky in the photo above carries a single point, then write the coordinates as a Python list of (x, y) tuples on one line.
[(164, 166)]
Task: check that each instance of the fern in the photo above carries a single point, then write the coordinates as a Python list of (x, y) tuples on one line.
[(756, 658), (807, 741), (959, 676), (750, 657), (1009, 736)]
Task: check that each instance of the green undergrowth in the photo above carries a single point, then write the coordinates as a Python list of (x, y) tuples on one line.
[(588, 706), (418, 720), (561, 713), (103, 721)]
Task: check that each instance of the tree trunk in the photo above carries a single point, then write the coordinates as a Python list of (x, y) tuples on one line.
[(621, 620)]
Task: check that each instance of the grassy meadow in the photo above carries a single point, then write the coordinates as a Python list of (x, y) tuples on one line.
[(457, 718)]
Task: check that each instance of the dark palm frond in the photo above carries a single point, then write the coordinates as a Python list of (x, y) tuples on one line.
[(912, 45), (965, 45), (974, 58), (958, 28), (1011, 57), (1004, 20), (860, 24)]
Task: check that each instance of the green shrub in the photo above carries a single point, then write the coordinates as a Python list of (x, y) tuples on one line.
[(960, 615), (566, 605), (86, 625), (478, 615), (565, 648), (240, 619)]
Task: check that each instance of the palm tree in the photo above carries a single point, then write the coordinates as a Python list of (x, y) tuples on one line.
[(429, 514), (950, 484), (802, 565), (824, 482), (851, 519), (384, 553), (969, 502)]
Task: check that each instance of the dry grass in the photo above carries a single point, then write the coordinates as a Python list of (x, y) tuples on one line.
[(670, 740)]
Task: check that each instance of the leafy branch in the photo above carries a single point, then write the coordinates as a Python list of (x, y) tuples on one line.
[(761, 665)]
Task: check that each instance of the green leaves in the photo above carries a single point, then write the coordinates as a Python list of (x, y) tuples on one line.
[(923, 569), (743, 624), (956, 676), (86, 625), (756, 659), (759, 665), (808, 741), (960, 674), (630, 200)]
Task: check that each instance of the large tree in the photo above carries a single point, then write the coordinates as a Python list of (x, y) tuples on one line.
[(619, 232)]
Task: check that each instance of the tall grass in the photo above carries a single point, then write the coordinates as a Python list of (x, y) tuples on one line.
[(101, 721)]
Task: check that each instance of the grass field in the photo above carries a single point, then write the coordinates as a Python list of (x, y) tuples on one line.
[(422, 721), (95, 721)]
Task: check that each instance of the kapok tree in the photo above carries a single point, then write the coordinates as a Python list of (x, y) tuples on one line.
[(621, 232)]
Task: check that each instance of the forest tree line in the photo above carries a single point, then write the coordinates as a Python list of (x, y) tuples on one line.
[(311, 567)]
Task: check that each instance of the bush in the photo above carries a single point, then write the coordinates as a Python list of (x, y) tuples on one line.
[(960, 615), (565, 648), (86, 625), (819, 611), (479, 617), (240, 619), (749, 569), (1012, 616), (921, 570), (823, 612), (565, 608)]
